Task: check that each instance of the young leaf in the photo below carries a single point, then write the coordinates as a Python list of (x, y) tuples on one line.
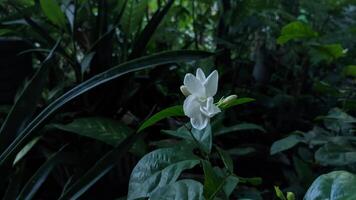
[(236, 102), (168, 112)]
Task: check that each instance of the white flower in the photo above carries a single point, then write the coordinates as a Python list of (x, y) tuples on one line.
[(199, 105)]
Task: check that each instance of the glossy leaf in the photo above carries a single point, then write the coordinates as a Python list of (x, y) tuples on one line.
[(165, 113), (25, 150), (337, 185), (157, 169), (182, 189), (336, 154)]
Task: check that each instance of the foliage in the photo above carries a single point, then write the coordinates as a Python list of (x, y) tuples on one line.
[(82, 125)]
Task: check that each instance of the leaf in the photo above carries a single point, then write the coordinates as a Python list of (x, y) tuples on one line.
[(5, 32), (326, 53), (133, 15), (158, 169), (103, 129), (239, 127), (350, 71), (285, 143), (25, 106), (25, 150), (85, 64), (336, 154), (212, 182), (53, 12), (35, 182), (279, 193), (336, 185), (236, 102), (147, 33), (102, 167), (114, 72), (226, 158), (325, 88), (181, 132), (204, 138), (296, 30), (165, 113), (182, 189)]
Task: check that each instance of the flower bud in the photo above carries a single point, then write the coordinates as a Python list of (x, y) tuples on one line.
[(184, 90), (229, 99)]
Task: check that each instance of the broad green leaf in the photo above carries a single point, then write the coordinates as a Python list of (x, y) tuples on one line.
[(165, 113), (350, 70), (25, 150), (230, 185), (53, 12), (182, 189), (99, 79), (239, 127), (182, 132), (336, 185), (285, 143), (106, 130), (204, 138), (5, 32), (236, 102), (296, 30), (35, 182), (336, 154), (158, 169)]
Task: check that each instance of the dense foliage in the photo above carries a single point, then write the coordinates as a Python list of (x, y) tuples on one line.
[(100, 115)]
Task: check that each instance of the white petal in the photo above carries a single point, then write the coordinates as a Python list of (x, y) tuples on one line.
[(200, 122), (200, 75), (191, 106), (184, 90), (211, 84), (193, 85), (210, 109)]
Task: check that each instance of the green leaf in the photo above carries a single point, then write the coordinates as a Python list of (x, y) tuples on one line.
[(5, 32), (157, 169), (35, 182), (279, 193), (227, 160), (133, 15), (22, 111), (182, 189), (286, 143), (53, 12), (336, 154), (103, 129), (212, 182), (336, 185), (165, 113), (350, 71), (182, 132), (236, 102), (326, 53), (204, 138), (147, 33), (25, 150), (296, 30), (239, 127), (325, 88), (99, 79)]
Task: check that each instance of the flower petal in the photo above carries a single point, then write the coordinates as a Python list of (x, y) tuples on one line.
[(210, 109), (200, 75), (193, 85), (200, 122), (211, 84), (191, 106)]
